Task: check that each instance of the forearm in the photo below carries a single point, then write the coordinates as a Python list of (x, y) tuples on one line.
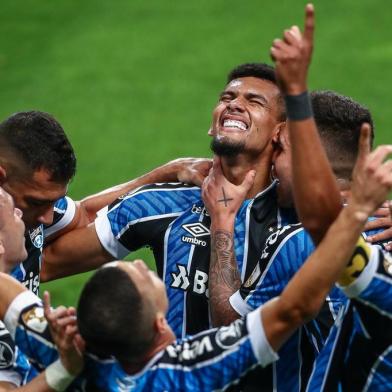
[(315, 189), (224, 277), (304, 295), (324, 267), (73, 253), (165, 173)]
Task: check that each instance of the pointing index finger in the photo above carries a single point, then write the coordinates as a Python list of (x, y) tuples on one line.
[(309, 23)]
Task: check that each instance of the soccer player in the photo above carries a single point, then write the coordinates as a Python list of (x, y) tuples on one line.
[(36, 164), (171, 218), (149, 357)]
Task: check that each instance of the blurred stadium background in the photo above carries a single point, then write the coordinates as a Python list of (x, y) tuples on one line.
[(134, 82)]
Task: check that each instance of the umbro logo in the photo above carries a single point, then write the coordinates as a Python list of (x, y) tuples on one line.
[(196, 229)]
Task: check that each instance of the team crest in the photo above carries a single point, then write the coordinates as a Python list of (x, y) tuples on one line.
[(37, 237), (227, 337), (35, 320), (6, 355)]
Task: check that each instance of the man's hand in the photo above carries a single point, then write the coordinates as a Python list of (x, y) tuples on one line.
[(292, 55), (220, 196), (64, 331), (372, 176), (222, 200), (192, 170), (383, 220)]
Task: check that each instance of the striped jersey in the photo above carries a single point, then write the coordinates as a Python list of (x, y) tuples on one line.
[(358, 352), (172, 220), (285, 251), (211, 360)]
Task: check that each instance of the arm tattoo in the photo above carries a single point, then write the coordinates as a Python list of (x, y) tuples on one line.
[(224, 199), (224, 277)]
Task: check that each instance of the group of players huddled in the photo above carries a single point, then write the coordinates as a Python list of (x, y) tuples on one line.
[(273, 261)]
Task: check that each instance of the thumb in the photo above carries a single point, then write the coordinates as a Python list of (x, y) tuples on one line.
[(249, 180)]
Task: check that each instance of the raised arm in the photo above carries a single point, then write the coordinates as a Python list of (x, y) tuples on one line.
[(222, 200), (315, 190), (188, 170), (304, 295)]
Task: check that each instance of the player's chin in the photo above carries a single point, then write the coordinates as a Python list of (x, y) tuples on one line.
[(227, 146)]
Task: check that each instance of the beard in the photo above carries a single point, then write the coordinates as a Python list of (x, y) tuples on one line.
[(226, 148)]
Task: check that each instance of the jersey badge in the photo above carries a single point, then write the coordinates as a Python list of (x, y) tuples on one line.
[(227, 337), (37, 237), (35, 320)]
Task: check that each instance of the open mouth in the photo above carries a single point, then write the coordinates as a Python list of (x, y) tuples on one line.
[(235, 124)]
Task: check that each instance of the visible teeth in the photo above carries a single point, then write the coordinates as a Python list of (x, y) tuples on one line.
[(235, 124)]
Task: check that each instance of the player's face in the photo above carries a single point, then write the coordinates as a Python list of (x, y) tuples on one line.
[(147, 282), (36, 196), (246, 115), (11, 232), (282, 169)]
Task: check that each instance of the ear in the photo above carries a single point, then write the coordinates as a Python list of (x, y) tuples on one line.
[(160, 323), (277, 131), (277, 140), (210, 133), (3, 175)]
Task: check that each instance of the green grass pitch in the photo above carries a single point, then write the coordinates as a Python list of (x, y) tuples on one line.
[(134, 82)]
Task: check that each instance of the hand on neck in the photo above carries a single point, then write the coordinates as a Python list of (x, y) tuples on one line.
[(236, 168)]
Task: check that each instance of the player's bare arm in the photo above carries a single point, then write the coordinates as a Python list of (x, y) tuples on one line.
[(317, 199), (222, 200), (187, 170), (304, 295), (77, 251)]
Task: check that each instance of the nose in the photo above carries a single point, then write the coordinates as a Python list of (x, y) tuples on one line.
[(236, 105), (46, 218)]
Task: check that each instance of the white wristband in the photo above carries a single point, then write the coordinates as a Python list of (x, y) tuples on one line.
[(57, 376)]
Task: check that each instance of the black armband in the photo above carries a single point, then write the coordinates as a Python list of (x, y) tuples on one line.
[(298, 107)]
